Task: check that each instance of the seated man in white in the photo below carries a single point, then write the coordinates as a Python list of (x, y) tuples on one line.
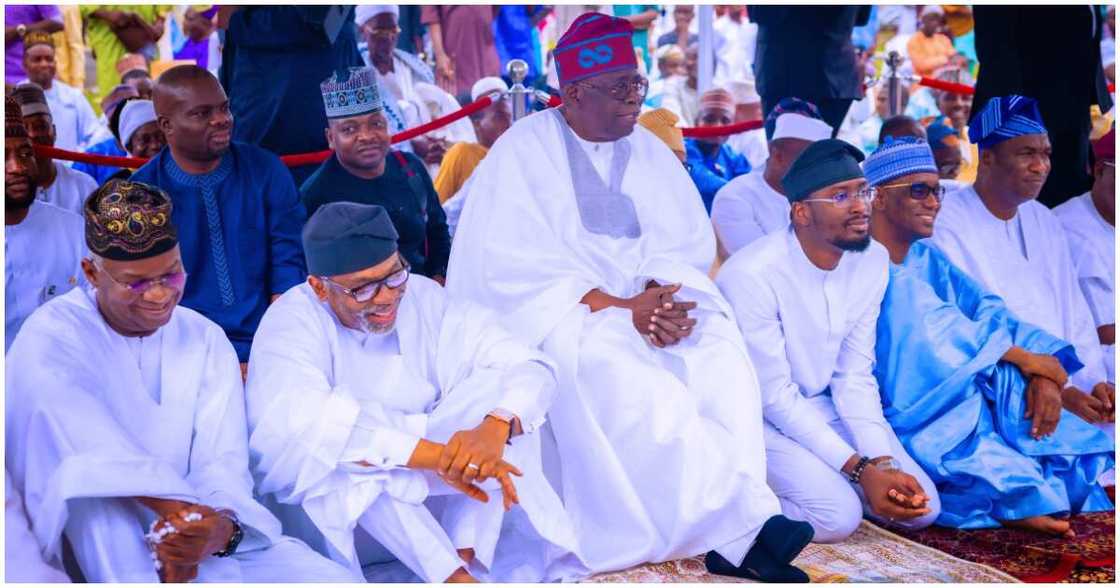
[(590, 239), (997, 233), (126, 429), (753, 205), (23, 562), (1090, 223), (807, 300), (384, 411)]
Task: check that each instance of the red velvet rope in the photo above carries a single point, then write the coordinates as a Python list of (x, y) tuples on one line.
[(947, 86)]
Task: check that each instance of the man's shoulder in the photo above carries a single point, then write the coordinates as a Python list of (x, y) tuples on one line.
[(765, 253), (255, 157), (1038, 211), (79, 177), (743, 188), (1074, 209), (59, 219), (195, 324)]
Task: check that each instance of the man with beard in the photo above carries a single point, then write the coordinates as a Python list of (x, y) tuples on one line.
[(56, 183), (363, 169), (972, 392), (712, 162), (378, 402), (807, 300), (1015, 247), (43, 243), (235, 206), (590, 240), (398, 71), (130, 418), (74, 118)]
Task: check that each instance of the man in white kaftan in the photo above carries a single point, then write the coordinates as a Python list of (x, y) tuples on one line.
[(23, 562), (77, 125), (807, 301), (43, 245), (1089, 221), (346, 397), (126, 399), (567, 227), (1003, 238), (754, 205)]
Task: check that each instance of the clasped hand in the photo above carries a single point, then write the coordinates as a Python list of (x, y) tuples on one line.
[(659, 318), (475, 455), (190, 534)]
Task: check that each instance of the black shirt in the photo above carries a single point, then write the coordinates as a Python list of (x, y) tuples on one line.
[(425, 243)]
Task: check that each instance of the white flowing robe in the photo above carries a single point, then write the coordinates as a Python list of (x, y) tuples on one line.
[(659, 451), (23, 562), (321, 399), (1092, 243), (85, 421), (1039, 286), (747, 208), (69, 189)]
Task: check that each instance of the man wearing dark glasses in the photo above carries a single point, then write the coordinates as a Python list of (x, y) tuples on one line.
[(974, 394), (806, 299), (374, 399), (127, 436)]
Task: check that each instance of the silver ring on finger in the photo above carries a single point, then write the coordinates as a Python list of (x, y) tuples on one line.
[(471, 465)]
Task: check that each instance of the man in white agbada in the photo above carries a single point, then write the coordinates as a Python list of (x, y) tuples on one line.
[(383, 412), (1090, 223), (398, 71), (995, 231), (126, 428), (754, 205), (591, 240), (807, 301), (58, 184), (23, 562), (748, 106), (77, 125), (43, 246)]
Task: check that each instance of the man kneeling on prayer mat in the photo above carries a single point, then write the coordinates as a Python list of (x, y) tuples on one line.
[(381, 408), (589, 238), (126, 432), (965, 384), (807, 299), (998, 234)]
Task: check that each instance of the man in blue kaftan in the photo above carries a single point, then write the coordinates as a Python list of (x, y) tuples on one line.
[(973, 393)]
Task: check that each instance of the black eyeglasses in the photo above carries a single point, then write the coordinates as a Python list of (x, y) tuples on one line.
[(621, 90), (921, 191), (367, 292)]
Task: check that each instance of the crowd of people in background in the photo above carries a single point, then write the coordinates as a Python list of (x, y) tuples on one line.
[(795, 258)]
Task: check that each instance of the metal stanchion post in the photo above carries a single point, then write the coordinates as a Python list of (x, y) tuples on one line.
[(518, 93), (894, 87)]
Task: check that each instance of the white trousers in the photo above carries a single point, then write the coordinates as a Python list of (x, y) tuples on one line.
[(107, 538), (812, 491)]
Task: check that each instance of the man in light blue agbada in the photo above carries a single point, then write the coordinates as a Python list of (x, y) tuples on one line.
[(973, 393)]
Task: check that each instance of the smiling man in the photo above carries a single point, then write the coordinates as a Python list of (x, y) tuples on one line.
[(235, 206), (1015, 247), (972, 392), (364, 169), (76, 124), (589, 238), (127, 435), (806, 300), (382, 407)]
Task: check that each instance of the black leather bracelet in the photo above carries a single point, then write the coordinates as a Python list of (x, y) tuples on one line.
[(857, 471), (235, 538)]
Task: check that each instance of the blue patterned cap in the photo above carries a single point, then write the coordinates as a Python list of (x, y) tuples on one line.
[(897, 157), (1003, 118), (941, 135), (356, 96), (786, 106)]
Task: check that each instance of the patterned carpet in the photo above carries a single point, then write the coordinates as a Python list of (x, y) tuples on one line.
[(1091, 557), (872, 554)]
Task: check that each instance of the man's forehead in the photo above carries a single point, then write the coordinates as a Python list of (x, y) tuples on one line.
[(16, 143), (39, 49)]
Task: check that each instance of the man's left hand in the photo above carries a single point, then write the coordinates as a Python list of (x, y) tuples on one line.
[(195, 539), (1106, 394), (671, 321), (473, 454), (1044, 406)]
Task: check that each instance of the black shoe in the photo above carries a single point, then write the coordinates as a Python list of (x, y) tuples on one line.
[(756, 566), (784, 538)]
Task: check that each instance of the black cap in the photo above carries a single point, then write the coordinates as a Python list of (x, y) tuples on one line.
[(346, 237), (822, 164)]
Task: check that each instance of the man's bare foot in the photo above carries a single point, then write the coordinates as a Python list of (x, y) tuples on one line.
[(466, 554), (1045, 524), (461, 576)]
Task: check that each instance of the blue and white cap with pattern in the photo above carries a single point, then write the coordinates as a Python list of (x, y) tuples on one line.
[(1003, 118), (354, 97), (897, 157)]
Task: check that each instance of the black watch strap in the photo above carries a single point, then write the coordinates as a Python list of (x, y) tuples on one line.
[(235, 538)]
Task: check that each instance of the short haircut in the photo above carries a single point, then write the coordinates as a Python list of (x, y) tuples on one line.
[(899, 126)]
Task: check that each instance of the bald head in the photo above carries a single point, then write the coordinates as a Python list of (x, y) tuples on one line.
[(178, 81), (192, 110)]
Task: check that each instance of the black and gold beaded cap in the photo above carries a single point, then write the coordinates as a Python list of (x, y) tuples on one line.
[(126, 221)]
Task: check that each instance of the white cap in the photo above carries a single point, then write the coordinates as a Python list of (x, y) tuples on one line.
[(487, 85), (743, 91), (364, 12), (932, 9), (136, 113), (792, 125)]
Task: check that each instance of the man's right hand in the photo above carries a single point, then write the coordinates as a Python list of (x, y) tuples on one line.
[(1044, 406), (893, 494), (445, 72), (659, 319), (1037, 365)]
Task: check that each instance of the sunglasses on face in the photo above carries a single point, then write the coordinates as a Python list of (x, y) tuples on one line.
[(921, 191), (173, 280), (367, 292)]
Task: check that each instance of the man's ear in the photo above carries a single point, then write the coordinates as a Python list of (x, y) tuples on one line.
[(90, 271), (318, 287)]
